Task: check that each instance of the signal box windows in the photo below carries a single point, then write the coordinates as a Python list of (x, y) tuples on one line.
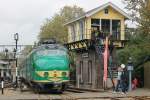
[(106, 11)]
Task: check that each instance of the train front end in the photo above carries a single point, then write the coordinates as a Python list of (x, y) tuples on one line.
[(51, 64)]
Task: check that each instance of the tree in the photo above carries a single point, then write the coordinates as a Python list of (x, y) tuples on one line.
[(139, 10), (138, 46), (54, 27)]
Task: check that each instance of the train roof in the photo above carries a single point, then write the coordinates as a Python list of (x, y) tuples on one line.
[(47, 46)]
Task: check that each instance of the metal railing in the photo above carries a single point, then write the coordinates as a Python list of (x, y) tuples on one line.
[(77, 36), (88, 34)]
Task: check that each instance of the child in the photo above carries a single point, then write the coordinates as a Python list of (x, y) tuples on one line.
[(134, 83)]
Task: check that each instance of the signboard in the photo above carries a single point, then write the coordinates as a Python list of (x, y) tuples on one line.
[(85, 55), (130, 67)]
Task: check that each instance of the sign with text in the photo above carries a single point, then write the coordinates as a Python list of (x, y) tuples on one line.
[(130, 67), (85, 55)]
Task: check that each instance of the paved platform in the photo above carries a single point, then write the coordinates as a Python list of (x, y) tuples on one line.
[(138, 94)]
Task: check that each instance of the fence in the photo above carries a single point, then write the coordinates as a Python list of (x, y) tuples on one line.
[(88, 34)]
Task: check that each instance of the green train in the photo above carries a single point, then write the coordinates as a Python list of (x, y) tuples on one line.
[(46, 68)]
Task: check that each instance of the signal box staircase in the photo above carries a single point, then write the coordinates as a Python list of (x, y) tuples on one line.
[(100, 47)]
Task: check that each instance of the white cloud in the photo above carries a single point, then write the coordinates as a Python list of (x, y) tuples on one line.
[(26, 16)]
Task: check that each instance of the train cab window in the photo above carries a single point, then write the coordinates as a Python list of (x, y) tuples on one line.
[(57, 52), (106, 11)]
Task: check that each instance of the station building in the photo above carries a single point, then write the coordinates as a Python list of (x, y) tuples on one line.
[(110, 20)]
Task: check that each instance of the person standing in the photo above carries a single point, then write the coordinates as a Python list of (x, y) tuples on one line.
[(118, 79), (123, 79)]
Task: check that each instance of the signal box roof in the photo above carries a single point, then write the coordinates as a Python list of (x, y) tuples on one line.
[(95, 10)]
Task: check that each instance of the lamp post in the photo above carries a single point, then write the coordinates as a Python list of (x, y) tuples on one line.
[(16, 38), (130, 69), (14, 51)]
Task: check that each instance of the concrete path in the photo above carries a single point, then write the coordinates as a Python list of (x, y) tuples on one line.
[(138, 94)]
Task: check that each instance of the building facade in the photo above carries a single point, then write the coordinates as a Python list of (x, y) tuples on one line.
[(107, 19)]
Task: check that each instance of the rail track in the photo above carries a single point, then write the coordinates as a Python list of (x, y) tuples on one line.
[(74, 90), (67, 95), (71, 97), (63, 96)]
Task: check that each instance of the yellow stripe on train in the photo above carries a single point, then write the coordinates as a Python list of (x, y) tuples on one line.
[(54, 73), (43, 81)]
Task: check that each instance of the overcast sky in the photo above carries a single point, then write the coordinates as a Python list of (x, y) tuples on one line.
[(26, 16)]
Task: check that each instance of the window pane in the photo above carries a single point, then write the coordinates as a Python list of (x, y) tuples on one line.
[(95, 22), (106, 11), (105, 26), (116, 29)]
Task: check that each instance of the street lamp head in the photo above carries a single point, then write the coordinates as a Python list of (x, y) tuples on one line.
[(130, 64), (16, 36), (130, 58)]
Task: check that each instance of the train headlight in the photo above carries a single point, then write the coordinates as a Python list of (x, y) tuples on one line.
[(55, 75), (46, 74), (64, 74)]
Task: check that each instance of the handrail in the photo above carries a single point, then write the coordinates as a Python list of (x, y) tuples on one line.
[(116, 35)]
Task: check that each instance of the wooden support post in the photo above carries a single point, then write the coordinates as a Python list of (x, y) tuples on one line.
[(110, 26), (100, 25), (78, 85)]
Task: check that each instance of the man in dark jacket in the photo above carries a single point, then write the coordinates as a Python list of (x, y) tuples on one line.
[(124, 80)]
